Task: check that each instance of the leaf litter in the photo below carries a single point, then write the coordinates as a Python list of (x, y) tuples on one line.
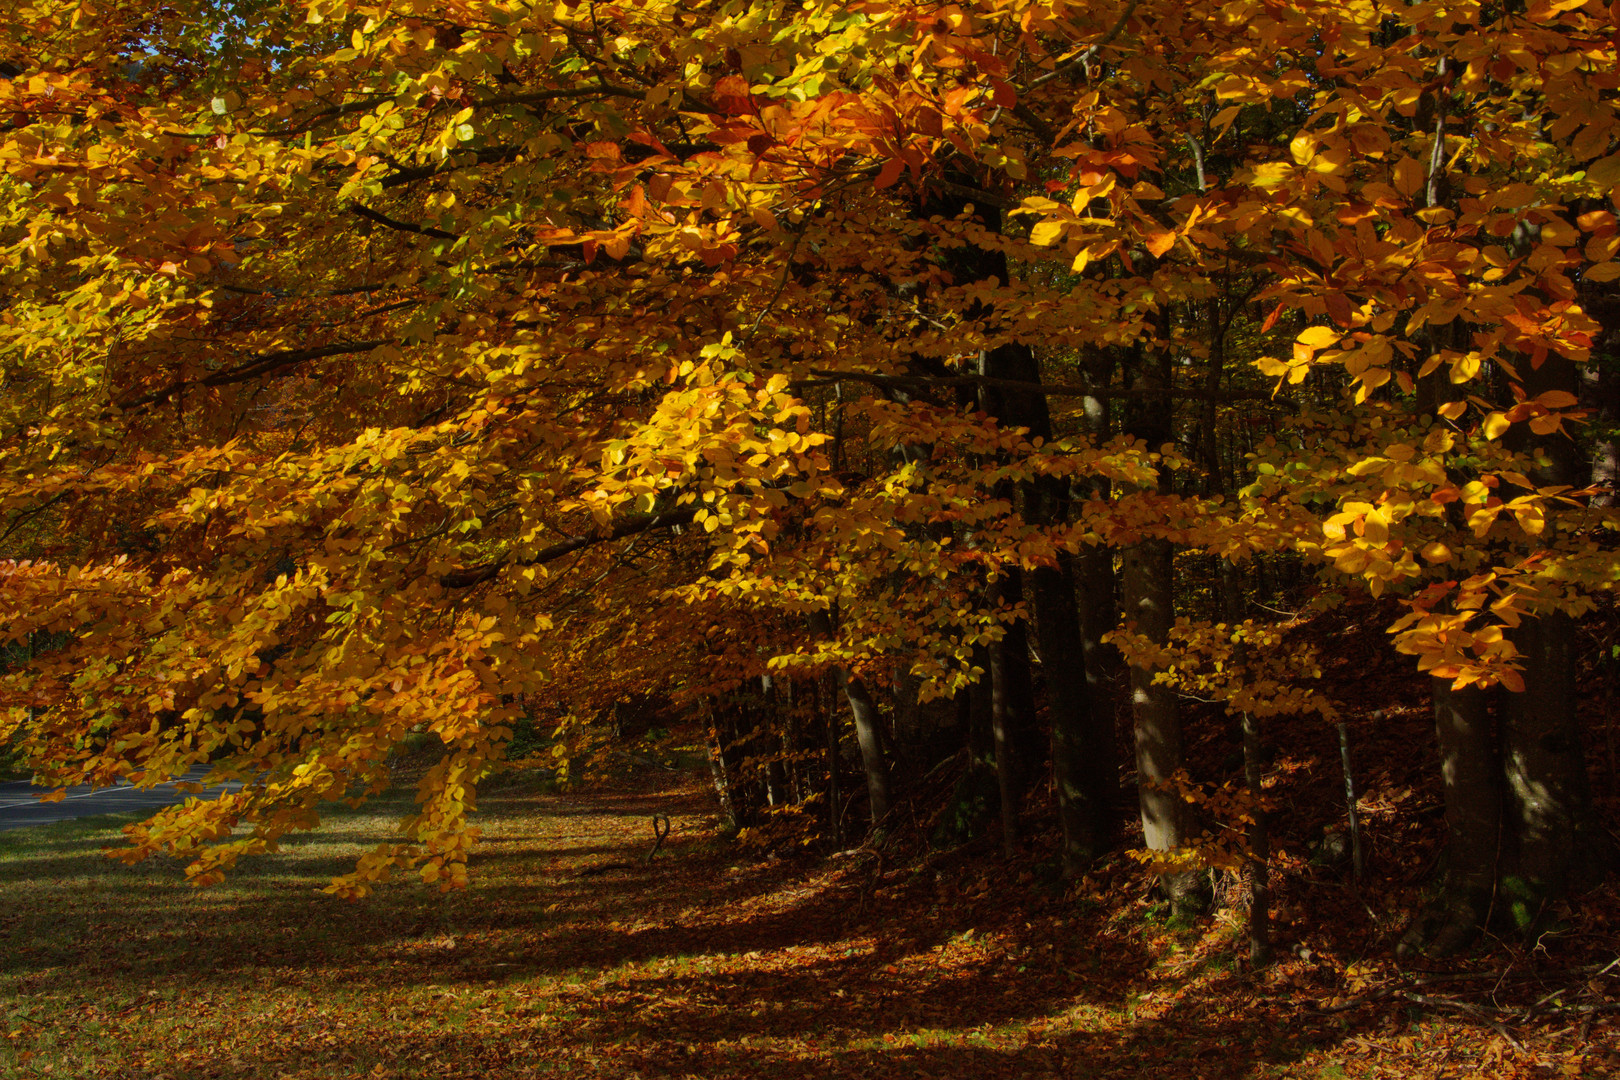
[(570, 955)]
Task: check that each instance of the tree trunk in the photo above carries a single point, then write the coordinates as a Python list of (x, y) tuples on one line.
[(1097, 585), (718, 768), (870, 738), (1558, 846), (1085, 762), (1148, 602), (828, 697), (1259, 846), (1011, 712), (1471, 776), (1099, 615), (868, 734), (769, 742)]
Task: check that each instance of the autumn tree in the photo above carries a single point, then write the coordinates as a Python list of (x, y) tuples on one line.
[(374, 368)]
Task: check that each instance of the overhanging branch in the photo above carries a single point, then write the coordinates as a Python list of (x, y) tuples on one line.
[(265, 366), (403, 226), (630, 526), (830, 378)]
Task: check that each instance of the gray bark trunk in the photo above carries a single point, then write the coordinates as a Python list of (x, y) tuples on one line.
[(1148, 602), (718, 770), (870, 738)]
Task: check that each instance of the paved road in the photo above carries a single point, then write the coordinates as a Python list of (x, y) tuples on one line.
[(20, 805)]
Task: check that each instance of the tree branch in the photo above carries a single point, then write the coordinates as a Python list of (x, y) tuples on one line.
[(1091, 51), (267, 364), (403, 226), (630, 526), (493, 155), (830, 378), (606, 89)]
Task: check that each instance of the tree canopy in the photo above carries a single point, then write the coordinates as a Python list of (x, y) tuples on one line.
[(379, 368)]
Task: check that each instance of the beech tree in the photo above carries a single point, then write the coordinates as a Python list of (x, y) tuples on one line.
[(374, 368)]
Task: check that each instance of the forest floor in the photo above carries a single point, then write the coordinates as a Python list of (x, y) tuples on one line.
[(571, 956)]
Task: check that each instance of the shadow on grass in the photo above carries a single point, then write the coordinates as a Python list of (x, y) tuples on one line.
[(686, 966)]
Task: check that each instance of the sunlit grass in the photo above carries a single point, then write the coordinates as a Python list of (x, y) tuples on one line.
[(571, 957)]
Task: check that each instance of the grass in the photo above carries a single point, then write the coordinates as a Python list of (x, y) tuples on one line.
[(702, 964)]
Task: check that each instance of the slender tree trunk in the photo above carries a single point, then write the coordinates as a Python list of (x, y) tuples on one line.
[(718, 769), (1099, 615), (868, 735), (1259, 846), (1259, 836), (1085, 762), (830, 710), (1011, 712), (1148, 602), (1097, 598), (768, 740), (1148, 587)]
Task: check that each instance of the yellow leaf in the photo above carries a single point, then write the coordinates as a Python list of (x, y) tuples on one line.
[(1046, 233), (1409, 177), (1452, 409), (1494, 425), (1224, 119), (1605, 173), (1602, 272), (1367, 465), (1318, 337)]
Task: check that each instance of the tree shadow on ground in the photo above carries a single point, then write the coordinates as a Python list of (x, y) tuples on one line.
[(699, 963)]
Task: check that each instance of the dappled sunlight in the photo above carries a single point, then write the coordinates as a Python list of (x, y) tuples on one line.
[(571, 955)]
